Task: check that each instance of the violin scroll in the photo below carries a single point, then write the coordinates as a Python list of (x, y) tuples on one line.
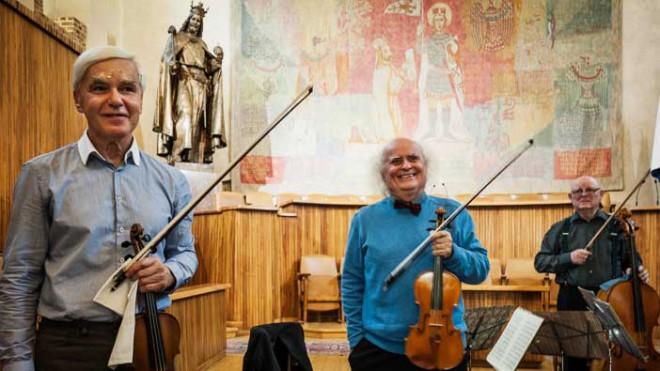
[(627, 224)]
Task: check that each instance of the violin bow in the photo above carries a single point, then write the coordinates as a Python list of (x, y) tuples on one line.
[(151, 245), (396, 272), (591, 242)]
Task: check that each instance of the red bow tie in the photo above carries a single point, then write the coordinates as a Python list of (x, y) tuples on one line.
[(414, 208)]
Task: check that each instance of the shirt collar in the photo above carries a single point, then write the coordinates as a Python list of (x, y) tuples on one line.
[(86, 148), (600, 214), (418, 200)]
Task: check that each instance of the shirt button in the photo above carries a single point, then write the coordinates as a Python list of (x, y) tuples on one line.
[(122, 260), (590, 271)]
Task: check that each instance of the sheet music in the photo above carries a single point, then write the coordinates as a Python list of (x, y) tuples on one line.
[(514, 341)]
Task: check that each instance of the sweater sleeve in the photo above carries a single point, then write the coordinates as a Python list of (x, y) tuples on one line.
[(469, 260), (352, 282)]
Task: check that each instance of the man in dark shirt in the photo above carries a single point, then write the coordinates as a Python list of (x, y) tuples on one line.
[(563, 253)]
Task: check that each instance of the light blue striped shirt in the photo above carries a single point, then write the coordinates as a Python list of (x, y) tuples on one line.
[(71, 212)]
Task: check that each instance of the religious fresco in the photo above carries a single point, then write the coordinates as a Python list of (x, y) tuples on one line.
[(472, 80)]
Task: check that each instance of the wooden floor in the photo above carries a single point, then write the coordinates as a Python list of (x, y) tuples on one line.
[(319, 363), (234, 362), (318, 331)]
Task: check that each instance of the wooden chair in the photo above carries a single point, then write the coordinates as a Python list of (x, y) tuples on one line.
[(495, 277), (318, 285), (521, 271), (554, 290), (496, 272), (277, 346)]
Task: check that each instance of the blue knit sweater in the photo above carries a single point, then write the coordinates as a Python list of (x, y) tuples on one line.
[(380, 237)]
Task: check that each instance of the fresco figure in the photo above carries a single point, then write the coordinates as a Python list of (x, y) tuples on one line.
[(318, 46), (440, 82), (189, 116), (492, 26), (586, 74), (386, 86)]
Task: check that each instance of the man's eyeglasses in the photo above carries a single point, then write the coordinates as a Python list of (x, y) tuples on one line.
[(586, 191)]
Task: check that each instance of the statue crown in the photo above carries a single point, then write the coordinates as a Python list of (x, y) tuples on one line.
[(198, 9)]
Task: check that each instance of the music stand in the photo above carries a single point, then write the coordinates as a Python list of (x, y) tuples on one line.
[(576, 334), (484, 325), (616, 332)]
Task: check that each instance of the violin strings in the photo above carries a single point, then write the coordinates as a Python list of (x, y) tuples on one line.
[(161, 350), (154, 329), (153, 324)]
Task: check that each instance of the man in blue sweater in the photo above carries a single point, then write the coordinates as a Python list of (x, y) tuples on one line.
[(380, 237)]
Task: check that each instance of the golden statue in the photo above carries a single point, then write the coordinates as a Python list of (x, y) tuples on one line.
[(189, 115)]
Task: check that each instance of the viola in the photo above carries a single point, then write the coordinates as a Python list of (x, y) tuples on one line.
[(637, 305), (157, 334), (434, 342)]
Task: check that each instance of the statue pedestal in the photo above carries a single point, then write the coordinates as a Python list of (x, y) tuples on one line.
[(200, 177), (194, 167)]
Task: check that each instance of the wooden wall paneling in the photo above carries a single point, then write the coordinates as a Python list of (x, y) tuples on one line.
[(36, 106), (256, 242), (215, 242), (515, 231), (648, 241), (323, 229), (201, 314), (288, 267), (259, 250), (214, 233), (317, 229)]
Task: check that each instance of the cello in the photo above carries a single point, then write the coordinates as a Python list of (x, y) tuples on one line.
[(434, 342), (157, 334), (637, 305)]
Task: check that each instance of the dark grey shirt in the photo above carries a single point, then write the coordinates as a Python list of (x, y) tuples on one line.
[(603, 265)]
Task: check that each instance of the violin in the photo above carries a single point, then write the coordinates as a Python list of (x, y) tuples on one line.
[(434, 342), (157, 334), (637, 305)]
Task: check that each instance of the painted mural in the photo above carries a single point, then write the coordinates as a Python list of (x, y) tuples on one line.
[(472, 80)]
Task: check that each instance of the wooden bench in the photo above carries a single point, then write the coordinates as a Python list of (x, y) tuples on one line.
[(200, 310)]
